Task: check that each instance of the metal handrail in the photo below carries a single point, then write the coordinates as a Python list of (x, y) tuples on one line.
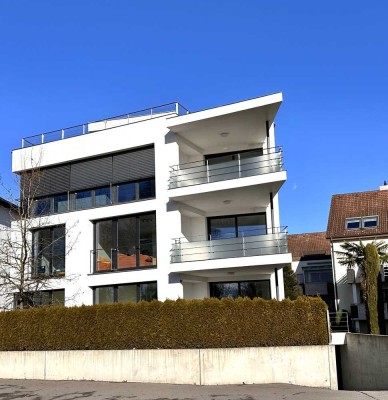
[(200, 172), (242, 246), (339, 321), (175, 108), (203, 163), (270, 231)]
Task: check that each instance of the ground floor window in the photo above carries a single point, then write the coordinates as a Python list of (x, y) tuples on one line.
[(42, 298), (249, 289), (128, 293)]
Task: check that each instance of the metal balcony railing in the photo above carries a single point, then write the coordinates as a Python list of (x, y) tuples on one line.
[(243, 165), (114, 259), (242, 246), (339, 321), (99, 125), (384, 272)]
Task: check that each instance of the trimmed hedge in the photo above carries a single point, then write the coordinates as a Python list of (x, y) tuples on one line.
[(208, 323)]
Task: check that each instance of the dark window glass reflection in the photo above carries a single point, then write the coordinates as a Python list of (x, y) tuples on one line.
[(249, 289), (126, 192), (147, 189)]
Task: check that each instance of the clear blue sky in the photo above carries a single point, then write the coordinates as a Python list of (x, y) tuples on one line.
[(68, 62)]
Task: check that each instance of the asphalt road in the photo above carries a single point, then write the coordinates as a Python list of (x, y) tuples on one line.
[(69, 390)]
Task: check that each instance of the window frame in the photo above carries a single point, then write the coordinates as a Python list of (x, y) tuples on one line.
[(234, 154), (31, 300), (236, 226), (370, 217), (115, 241), (361, 221), (48, 202), (348, 220), (116, 290), (35, 257), (211, 290)]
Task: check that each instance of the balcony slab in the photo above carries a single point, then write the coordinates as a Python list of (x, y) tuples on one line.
[(275, 260)]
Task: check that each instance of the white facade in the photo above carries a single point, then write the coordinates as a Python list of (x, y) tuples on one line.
[(189, 189)]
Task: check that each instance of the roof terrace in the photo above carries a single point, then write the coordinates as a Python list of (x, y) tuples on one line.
[(107, 123)]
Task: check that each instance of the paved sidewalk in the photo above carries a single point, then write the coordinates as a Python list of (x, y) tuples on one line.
[(69, 390)]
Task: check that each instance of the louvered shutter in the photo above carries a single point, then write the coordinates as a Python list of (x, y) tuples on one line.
[(134, 165), (46, 181), (91, 174)]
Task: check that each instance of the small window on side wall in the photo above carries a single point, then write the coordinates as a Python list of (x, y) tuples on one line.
[(353, 223)]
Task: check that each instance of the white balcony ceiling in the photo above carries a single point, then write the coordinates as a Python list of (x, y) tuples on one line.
[(244, 123), (247, 199)]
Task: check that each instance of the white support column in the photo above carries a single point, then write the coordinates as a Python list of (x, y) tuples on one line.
[(271, 139), (281, 284)]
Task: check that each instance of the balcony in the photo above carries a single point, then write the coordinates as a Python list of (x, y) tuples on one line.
[(245, 246), (240, 165)]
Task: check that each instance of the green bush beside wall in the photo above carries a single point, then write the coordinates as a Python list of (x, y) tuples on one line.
[(208, 323)]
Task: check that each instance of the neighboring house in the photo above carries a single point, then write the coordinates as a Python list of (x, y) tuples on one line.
[(311, 261), (356, 217), (5, 213), (167, 204)]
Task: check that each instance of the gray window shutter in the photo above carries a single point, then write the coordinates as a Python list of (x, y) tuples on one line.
[(134, 165), (91, 174), (46, 181)]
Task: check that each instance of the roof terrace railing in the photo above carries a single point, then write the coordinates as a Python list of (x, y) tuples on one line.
[(99, 125)]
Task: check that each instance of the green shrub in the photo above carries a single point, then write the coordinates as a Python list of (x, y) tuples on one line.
[(291, 287), (372, 271), (207, 323)]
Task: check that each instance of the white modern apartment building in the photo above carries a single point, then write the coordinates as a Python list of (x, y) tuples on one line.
[(161, 203)]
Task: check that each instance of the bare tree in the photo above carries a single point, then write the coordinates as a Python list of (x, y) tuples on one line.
[(33, 248)]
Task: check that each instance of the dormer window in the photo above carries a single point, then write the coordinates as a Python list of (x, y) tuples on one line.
[(353, 223), (370, 222), (362, 222)]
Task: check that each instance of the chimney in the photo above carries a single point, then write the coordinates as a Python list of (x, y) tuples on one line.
[(385, 186)]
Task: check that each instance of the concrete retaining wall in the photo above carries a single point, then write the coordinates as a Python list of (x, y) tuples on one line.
[(308, 366), (364, 362)]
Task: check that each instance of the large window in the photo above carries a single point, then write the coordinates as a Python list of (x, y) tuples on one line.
[(237, 226), (96, 182), (318, 274), (49, 250), (213, 159), (249, 289), (125, 243), (41, 299), (131, 293), (99, 197)]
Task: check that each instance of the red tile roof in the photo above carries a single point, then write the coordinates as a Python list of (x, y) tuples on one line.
[(308, 244), (362, 204)]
